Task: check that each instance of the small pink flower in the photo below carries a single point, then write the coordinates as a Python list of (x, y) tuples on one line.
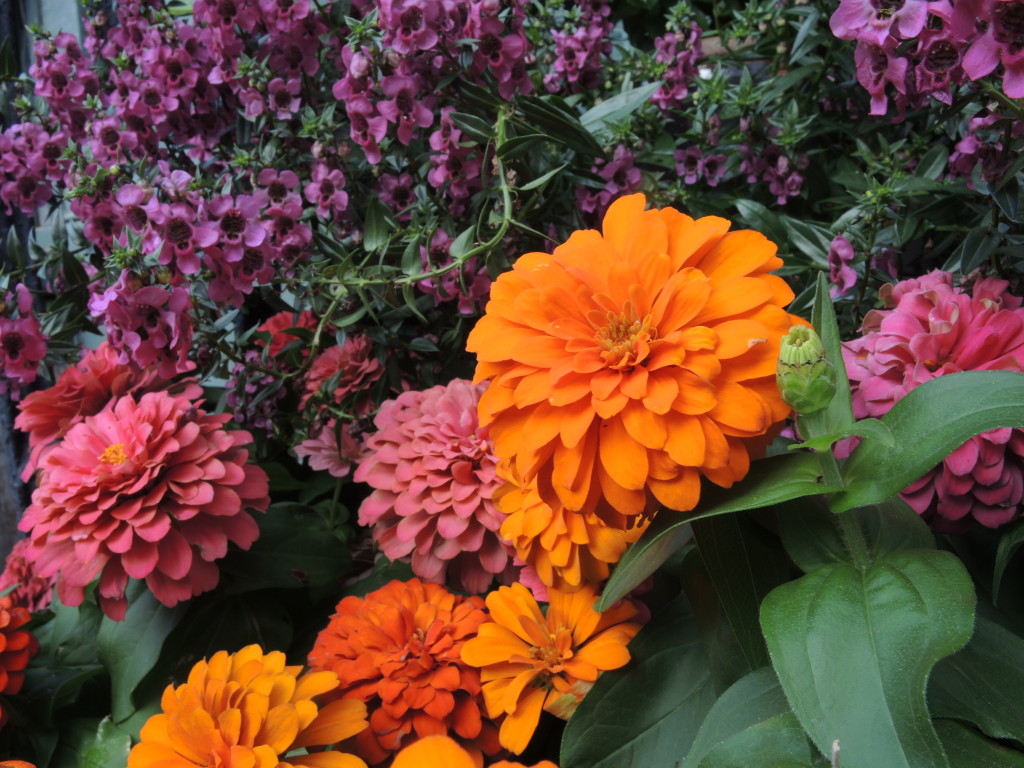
[(22, 344), (1001, 42), (841, 273), (872, 21), (434, 473), (33, 591), (332, 449), (929, 329), (154, 490), (356, 368)]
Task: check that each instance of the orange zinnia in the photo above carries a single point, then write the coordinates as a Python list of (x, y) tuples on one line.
[(398, 649), (445, 752), (566, 549), (531, 661), (248, 710), (633, 362)]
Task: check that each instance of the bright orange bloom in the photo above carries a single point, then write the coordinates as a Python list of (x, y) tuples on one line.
[(445, 752), (17, 646), (532, 661), (626, 365), (16, 764), (398, 649), (566, 549), (249, 710)]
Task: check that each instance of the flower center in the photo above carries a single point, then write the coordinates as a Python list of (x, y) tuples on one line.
[(625, 340), (114, 455)]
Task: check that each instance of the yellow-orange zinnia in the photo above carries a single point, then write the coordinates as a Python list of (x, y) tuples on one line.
[(444, 752), (249, 710), (632, 362), (531, 661)]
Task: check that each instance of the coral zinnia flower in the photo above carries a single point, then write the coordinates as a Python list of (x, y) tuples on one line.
[(566, 549), (154, 490), (532, 661), (445, 752), (248, 710), (352, 368), (635, 361), (83, 390), (433, 469), (31, 590), (17, 646), (398, 650), (929, 329)]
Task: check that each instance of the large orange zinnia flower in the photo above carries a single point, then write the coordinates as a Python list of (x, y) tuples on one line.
[(444, 752), (531, 661), (633, 362), (249, 710), (398, 649)]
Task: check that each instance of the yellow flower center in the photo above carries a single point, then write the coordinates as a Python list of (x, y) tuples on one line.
[(114, 455), (625, 340)]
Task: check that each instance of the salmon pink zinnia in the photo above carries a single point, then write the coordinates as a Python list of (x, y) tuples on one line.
[(154, 490), (627, 364)]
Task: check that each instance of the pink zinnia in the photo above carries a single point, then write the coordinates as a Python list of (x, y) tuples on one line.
[(332, 449), (433, 468), (33, 591), (929, 329), (154, 490), (356, 368)]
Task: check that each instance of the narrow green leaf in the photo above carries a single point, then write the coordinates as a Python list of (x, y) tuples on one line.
[(542, 180), (750, 701), (378, 226), (804, 40), (15, 252), (934, 162), (770, 481), (853, 650), (812, 240), (129, 649), (982, 684), (601, 119), (520, 144), (475, 127), (838, 417), (648, 713), (978, 247), (966, 748), (745, 563), (930, 422), (1012, 537)]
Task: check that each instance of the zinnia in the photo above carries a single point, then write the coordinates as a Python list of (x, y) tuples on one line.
[(249, 710), (532, 661), (17, 646), (31, 590), (445, 752), (398, 649), (626, 365), (152, 490), (929, 329), (433, 469)]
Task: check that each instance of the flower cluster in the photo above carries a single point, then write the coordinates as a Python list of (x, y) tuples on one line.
[(433, 471), (930, 328), (581, 45), (150, 489), (22, 342), (678, 53), (621, 177)]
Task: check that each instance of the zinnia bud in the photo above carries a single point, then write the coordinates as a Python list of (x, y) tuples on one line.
[(806, 378)]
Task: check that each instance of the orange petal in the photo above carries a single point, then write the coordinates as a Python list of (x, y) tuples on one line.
[(623, 458), (433, 752), (519, 726), (680, 494)]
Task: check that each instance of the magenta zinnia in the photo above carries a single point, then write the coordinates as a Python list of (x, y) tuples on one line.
[(930, 328), (154, 490)]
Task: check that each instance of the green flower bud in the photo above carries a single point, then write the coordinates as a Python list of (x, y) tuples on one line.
[(806, 378)]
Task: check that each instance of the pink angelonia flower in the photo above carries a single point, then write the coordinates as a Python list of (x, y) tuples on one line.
[(327, 191), (688, 164), (621, 175), (713, 167), (872, 21), (471, 287), (238, 222), (840, 267), (22, 344), (283, 97), (433, 471), (332, 449), (876, 66), (1001, 42), (154, 489), (31, 590), (930, 328), (397, 193), (183, 235), (410, 25), (367, 127), (279, 185), (407, 108)]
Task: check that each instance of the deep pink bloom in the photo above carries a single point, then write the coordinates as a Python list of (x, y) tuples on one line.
[(1001, 42), (878, 65), (154, 490), (333, 449), (22, 344), (471, 284), (840, 267), (408, 108), (930, 328), (356, 368), (434, 472), (33, 592), (688, 164), (874, 20)]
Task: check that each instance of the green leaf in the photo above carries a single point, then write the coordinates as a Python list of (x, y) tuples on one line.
[(554, 118), (520, 144), (864, 428), (600, 120), (978, 247), (853, 650), (982, 684), (776, 743), (380, 224), (648, 713), (934, 162), (384, 571), (462, 244), (91, 743), (930, 422), (129, 649), (542, 180), (804, 40), (770, 481), (745, 563), (966, 748), (813, 536), (838, 417), (749, 702), (1012, 536)]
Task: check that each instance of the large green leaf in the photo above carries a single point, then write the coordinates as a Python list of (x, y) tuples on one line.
[(982, 683), (747, 704), (853, 650), (1012, 537), (779, 742), (648, 713), (966, 748), (930, 422), (770, 481), (91, 744), (129, 649), (745, 563)]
